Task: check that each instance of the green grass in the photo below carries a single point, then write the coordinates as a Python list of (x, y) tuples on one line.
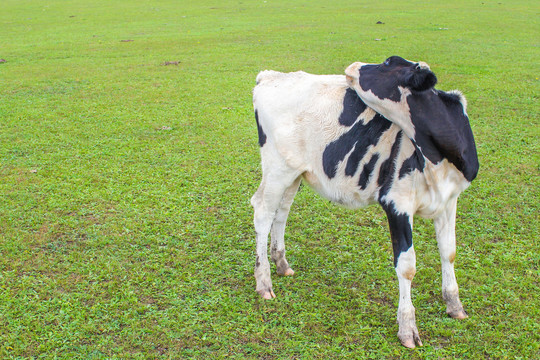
[(120, 238)]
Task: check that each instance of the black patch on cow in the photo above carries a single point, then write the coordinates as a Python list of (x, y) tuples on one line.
[(262, 135), (370, 136), (384, 87), (388, 167), (352, 108), (415, 162), (400, 230), (443, 130), (384, 79), (367, 171), (357, 139)]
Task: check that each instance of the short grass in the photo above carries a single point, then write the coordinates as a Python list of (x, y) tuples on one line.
[(125, 225)]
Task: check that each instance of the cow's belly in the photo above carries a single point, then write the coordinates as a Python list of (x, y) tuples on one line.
[(343, 191)]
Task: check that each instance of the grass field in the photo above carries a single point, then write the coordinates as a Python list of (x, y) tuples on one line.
[(125, 224)]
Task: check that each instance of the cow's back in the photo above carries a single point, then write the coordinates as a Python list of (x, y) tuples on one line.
[(299, 112)]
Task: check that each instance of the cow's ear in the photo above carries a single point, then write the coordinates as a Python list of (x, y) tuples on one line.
[(420, 79)]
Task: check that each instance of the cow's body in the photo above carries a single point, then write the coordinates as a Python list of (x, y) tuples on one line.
[(317, 128), (307, 116)]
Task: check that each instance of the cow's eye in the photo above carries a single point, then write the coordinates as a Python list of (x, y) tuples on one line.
[(387, 62)]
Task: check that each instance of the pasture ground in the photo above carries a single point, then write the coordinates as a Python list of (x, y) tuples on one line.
[(125, 224)]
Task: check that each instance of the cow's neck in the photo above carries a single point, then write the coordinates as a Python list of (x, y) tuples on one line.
[(442, 131)]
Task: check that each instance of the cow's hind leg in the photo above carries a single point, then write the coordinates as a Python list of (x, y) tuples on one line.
[(277, 234), (445, 226), (405, 264), (266, 203)]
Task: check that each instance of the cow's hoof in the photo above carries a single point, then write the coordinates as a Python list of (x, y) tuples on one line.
[(267, 294), (286, 272), (408, 343), (458, 314), (411, 342)]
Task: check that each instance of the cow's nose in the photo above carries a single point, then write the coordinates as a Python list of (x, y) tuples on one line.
[(353, 69), (422, 65)]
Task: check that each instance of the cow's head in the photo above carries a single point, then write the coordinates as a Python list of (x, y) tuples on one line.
[(384, 87), (402, 91)]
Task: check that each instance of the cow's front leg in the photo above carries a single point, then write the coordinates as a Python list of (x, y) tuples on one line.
[(445, 228), (405, 264)]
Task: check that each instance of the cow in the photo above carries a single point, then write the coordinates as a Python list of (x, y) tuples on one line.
[(381, 133)]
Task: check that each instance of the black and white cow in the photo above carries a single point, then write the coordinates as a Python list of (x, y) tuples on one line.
[(382, 134)]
